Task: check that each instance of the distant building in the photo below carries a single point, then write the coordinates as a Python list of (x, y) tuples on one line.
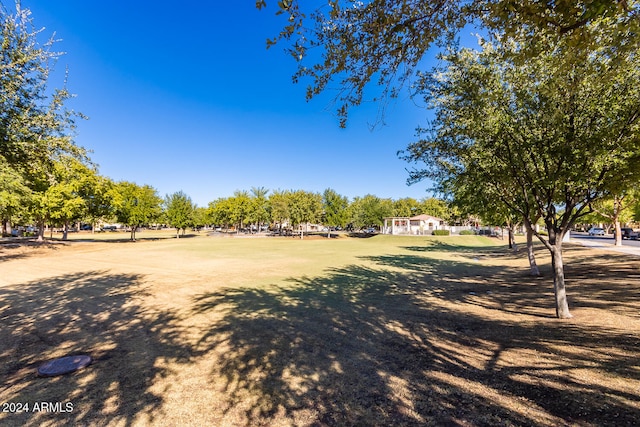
[(416, 225)]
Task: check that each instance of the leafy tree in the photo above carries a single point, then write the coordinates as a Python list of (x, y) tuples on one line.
[(136, 205), (334, 209), (304, 207), (259, 210), (240, 208), (436, 207), (369, 211), (97, 193), (200, 217), (14, 194), (406, 207), (35, 126), (552, 135), (382, 42), (233, 210), (66, 200), (57, 195), (615, 209), (280, 207), (179, 210), (220, 212)]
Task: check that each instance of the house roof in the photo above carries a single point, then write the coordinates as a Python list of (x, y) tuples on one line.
[(425, 217)]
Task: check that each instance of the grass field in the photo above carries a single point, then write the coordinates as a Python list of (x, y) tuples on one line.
[(282, 332)]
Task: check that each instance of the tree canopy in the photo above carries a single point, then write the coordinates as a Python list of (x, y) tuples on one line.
[(136, 205), (304, 207), (179, 211), (334, 208), (384, 41), (35, 126)]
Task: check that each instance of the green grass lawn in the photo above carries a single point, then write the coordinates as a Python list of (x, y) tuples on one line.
[(286, 332)]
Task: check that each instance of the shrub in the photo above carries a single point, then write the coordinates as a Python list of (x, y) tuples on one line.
[(467, 232), (440, 232)]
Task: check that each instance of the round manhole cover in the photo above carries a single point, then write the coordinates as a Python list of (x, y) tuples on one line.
[(64, 365)]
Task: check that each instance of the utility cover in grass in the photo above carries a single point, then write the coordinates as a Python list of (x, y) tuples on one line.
[(64, 365)]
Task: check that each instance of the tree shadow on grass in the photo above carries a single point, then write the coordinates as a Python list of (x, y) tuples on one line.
[(397, 344), (599, 280), (607, 281), (92, 313), (10, 251)]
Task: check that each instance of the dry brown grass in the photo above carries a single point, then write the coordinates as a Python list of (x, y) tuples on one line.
[(281, 332)]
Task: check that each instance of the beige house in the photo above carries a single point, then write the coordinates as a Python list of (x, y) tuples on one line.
[(416, 225)]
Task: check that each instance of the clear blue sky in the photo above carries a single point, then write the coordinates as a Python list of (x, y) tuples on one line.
[(185, 96)]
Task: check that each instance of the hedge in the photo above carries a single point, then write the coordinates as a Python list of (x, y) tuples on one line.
[(441, 232)]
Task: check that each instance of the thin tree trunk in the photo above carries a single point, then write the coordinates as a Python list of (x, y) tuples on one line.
[(512, 239), (533, 266), (559, 289), (40, 231), (65, 230), (618, 234)]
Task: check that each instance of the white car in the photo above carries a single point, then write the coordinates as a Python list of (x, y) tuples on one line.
[(596, 231)]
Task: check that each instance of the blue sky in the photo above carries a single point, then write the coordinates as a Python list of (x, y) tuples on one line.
[(185, 96)]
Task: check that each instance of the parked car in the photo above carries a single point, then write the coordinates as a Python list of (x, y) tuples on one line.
[(596, 231), (628, 233)]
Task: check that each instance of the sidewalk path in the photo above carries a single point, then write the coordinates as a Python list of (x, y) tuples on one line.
[(599, 244)]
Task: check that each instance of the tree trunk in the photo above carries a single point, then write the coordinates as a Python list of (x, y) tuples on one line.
[(177, 233), (133, 233), (618, 234), (40, 231), (562, 305), (533, 266), (65, 230), (512, 239)]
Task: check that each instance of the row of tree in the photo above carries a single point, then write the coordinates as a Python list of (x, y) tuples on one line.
[(78, 194), (292, 208), (47, 179)]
